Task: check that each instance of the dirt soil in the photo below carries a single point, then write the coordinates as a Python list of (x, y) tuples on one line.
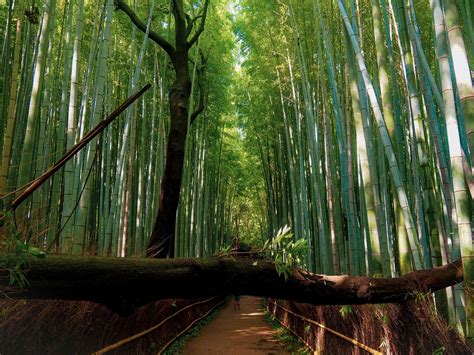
[(241, 331)]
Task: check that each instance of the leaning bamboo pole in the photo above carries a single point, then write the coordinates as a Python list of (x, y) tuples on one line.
[(88, 138)]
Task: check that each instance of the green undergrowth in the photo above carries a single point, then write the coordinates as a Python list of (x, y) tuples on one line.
[(16, 250), (178, 346), (290, 343)]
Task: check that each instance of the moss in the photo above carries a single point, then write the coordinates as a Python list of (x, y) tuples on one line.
[(291, 344), (178, 345)]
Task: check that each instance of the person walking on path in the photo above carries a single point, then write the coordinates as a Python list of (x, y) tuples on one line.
[(237, 302)]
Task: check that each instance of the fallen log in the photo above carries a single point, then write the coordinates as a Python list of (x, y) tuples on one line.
[(124, 284)]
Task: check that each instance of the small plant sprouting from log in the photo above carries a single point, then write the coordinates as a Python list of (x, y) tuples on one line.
[(287, 253), (17, 253)]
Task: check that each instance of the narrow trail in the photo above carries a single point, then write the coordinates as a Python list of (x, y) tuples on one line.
[(241, 331)]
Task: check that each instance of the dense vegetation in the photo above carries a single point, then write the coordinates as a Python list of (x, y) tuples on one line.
[(351, 121)]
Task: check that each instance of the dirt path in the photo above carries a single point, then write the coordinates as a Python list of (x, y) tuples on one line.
[(234, 332)]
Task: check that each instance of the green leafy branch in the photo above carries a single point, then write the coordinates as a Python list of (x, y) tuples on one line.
[(18, 253), (286, 252), (282, 249)]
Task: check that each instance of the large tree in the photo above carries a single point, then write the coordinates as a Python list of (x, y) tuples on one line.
[(187, 30)]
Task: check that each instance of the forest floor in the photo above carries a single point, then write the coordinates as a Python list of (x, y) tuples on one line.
[(241, 331)]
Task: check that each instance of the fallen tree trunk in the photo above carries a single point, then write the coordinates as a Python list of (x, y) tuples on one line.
[(123, 284)]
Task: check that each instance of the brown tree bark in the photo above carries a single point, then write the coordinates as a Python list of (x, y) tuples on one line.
[(161, 243), (123, 284)]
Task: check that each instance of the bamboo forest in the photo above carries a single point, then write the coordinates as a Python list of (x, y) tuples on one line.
[(236, 176)]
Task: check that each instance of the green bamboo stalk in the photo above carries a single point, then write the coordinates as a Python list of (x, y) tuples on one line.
[(393, 165), (80, 231), (26, 169), (462, 72), (312, 131), (373, 216), (6, 70), (8, 137), (342, 147)]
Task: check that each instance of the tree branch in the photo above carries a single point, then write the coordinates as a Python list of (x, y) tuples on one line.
[(189, 25), (123, 284), (201, 25), (155, 37), (180, 21), (202, 87)]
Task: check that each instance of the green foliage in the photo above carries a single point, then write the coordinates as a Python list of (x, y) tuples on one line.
[(224, 250), (291, 344), (381, 314), (440, 351), (178, 345), (287, 253), (283, 250), (384, 318), (17, 253), (345, 310), (422, 296)]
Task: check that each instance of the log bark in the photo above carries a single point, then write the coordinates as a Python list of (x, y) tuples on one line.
[(125, 284)]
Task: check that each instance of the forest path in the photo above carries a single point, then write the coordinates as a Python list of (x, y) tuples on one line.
[(234, 332)]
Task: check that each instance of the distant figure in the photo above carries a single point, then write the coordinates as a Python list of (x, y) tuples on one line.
[(236, 302)]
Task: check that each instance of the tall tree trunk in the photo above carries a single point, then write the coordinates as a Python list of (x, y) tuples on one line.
[(161, 242)]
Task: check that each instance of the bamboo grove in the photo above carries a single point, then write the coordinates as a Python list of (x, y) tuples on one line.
[(66, 64), (351, 121), (362, 118)]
